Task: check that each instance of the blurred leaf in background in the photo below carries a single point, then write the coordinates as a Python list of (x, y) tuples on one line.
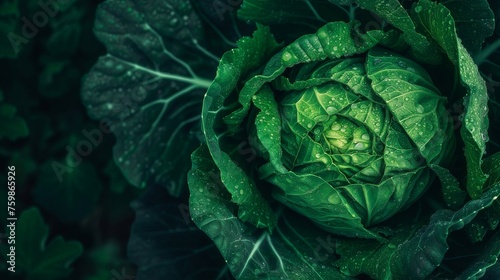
[(41, 120)]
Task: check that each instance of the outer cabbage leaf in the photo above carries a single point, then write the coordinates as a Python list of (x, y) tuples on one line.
[(291, 252), (413, 99), (235, 65), (396, 15), (489, 219), (440, 25), (413, 252)]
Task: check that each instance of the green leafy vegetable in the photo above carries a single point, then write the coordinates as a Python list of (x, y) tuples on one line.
[(363, 123), (291, 252)]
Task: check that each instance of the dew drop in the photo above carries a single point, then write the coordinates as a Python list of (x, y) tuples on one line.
[(174, 22), (359, 146), (334, 199), (336, 127), (286, 56), (322, 34)]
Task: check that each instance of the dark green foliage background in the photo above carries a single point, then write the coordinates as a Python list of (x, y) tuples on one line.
[(91, 205)]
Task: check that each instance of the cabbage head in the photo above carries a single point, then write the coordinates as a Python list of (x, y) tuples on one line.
[(343, 129), (347, 134)]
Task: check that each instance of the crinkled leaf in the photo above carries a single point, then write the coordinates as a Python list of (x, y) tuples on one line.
[(396, 15), (234, 66), (411, 252), (36, 258), (413, 99), (268, 126), (312, 47), (313, 197), (440, 25), (150, 86), (296, 250)]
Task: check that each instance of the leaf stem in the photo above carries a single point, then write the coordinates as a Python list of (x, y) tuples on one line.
[(200, 82)]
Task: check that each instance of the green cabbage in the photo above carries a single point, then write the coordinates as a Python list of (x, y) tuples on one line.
[(343, 139), (347, 128)]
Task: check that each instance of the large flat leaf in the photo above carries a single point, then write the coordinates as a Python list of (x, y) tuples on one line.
[(150, 86)]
